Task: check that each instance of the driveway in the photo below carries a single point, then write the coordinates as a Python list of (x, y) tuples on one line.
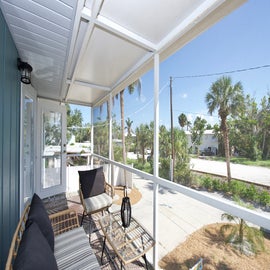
[(253, 174)]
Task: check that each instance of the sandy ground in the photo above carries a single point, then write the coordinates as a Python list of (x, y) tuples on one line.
[(207, 243)]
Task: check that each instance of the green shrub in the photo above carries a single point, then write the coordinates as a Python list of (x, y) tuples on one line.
[(225, 186), (207, 182), (251, 193), (217, 185), (164, 170), (237, 188), (264, 198)]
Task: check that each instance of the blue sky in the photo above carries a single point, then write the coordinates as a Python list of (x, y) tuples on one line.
[(241, 40)]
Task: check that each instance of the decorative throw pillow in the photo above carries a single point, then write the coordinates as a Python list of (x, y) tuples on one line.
[(92, 182), (39, 215), (34, 251)]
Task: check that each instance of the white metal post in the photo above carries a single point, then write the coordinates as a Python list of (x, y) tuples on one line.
[(110, 138), (92, 134), (156, 157)]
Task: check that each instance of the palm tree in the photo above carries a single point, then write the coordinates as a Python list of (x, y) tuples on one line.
[(128, 126), (189, 124), (182, 120), (227, 99), (143, 135), (243, 237), (131, 89)]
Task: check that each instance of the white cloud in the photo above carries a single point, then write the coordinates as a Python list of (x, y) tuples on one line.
[(184, 95)]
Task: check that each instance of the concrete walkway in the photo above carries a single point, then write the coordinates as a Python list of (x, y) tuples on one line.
[(179, 215)]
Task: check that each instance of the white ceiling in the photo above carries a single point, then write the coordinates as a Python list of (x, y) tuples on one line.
[(82, 50)]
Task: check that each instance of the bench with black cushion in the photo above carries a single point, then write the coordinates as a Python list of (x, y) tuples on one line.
[(50, 242)]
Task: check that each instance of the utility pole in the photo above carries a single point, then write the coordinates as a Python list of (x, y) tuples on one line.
[(172, 134)]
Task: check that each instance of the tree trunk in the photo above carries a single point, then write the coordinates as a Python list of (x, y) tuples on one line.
[(123, 126), (112, 149), (123, 133), (241, 231), (224, 129)]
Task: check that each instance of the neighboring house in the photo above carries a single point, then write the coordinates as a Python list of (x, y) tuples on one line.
[(74, 147), (209, 142)]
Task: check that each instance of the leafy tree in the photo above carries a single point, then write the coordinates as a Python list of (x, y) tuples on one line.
[(182, 170), (131, 89), (74, 118), (189, 124), (244, 130), (228, 100), (151, 138), (182, 120), (101, 146), (129, 138), (197, 131), (264, 126), (83, 134), (164, 142), (208, 127), (128, 126), (75, 125), (164, 152), (143, 137), (52, 131), (218, 135)]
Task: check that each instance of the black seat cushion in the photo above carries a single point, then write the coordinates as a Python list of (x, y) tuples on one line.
[(39, 215), (34, 251), (92, 182)]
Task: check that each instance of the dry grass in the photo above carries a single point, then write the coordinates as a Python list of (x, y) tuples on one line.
[(207, 243), (134, 195)]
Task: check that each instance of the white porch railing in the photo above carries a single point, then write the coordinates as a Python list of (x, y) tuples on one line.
[(257, 218)]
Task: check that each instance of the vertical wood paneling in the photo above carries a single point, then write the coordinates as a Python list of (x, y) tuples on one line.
[(9, 140), (2, 70)]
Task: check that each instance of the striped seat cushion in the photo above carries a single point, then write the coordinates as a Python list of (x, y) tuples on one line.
[(72, 251), (97, 202)]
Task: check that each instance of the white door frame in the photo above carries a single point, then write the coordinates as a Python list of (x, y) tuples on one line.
[(27, 145), (57, 152)]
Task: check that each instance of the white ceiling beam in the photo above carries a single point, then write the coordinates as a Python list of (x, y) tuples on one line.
[(97, 4), (119, 30), (92, 85), (125, 33), (64, 89)]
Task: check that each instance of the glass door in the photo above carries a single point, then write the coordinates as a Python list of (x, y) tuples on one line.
[(52, 145), (28, 143)]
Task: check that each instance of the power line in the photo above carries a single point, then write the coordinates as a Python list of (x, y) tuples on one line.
[(196, 113), (221, 73)]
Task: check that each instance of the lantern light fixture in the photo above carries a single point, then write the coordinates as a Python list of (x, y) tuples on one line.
[(126, 210), (25, 70)]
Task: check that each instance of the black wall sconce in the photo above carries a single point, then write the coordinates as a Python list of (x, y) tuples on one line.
[(25, 70)]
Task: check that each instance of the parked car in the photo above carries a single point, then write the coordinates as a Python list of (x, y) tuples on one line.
[(209, 151)]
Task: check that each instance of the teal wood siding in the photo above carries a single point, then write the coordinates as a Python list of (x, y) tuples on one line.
[(9, 140)]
